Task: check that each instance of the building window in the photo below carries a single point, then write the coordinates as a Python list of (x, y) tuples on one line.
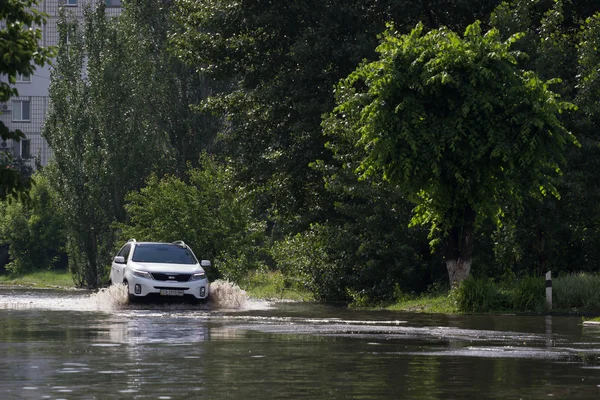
[(71, 3), (21, 110), (113, 3), (25, 149), (23, 78)]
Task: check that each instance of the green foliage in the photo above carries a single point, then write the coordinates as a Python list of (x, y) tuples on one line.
[(529, 294), (454, 122), (81, 135), (40, 279), (273, 285), (119, 112), (439, 303), (457, 126), (358, 258), (579, 291), (475, 295), (34, 231), (573, 292), (209, 213), (303, 256), (281, 60), (561, 39)]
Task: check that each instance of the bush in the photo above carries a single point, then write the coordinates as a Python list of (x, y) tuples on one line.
[(351, 260), (301, 258), (528, 294), (34, 231), (576, 291), (475, 295), (211, 214)]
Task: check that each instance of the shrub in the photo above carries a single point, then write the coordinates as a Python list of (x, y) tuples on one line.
[(477, 295), (352, 261), (528, 294), (209, 213), (576, 291), (34, 231), (302, 258)]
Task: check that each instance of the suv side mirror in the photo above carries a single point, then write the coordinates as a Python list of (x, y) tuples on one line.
[(205, 263), (119, 260)]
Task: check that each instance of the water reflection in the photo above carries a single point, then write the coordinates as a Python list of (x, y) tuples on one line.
[(295, 351)]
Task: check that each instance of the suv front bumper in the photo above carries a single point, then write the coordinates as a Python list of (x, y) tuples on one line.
[(141, 287)]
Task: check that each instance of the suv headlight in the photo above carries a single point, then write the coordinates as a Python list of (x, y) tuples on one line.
[(142, 274), (198, 277)]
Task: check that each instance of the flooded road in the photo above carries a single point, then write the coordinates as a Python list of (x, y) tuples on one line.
[(73, 345)]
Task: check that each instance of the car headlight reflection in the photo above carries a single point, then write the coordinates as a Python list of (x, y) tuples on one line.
[(142, 274), (198, 277)]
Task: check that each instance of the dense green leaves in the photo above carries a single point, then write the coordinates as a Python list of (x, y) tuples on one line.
[(34, 231), (455, 123), (119, 112), (281, 60), (468, 127), (209, 213)]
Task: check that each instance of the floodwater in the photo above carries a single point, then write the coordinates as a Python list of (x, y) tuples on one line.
[(77, 345)]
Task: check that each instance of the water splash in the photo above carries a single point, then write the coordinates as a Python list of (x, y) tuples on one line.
[(228, 295), (223, 295), (110, 298)]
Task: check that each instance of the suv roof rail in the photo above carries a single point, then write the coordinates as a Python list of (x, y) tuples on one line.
[(179, 242), (131, 240)]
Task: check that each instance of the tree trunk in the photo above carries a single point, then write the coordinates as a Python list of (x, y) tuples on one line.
[(459, 249)]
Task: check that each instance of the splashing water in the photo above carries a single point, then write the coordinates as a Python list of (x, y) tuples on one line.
[(110, 298), (222, 295), (225, 294)]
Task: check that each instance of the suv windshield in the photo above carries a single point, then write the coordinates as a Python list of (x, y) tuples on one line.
[(163, 253)]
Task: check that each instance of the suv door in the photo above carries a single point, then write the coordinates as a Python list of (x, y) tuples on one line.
[(118, 269)]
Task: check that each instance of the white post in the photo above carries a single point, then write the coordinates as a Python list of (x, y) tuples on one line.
[(549, 291)]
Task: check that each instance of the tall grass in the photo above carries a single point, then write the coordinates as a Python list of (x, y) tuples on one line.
[(476, 295), (273, 285), (62, 279), (528, 294), (576, 292)]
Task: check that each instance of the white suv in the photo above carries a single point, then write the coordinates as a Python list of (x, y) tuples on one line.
[(168, 270)]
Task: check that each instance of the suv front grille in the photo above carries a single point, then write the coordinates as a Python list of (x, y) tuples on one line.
[(171, 277)]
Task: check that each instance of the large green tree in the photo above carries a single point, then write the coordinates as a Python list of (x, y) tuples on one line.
[(456, 124), (281, 59), (559, 234), (20, 53), (119, 112)]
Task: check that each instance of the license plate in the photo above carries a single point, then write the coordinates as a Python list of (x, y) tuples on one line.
[(170, 292)]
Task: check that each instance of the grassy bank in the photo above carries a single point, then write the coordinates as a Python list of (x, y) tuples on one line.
[(575, 293), (438, 303), (40, 279), (274, 286)]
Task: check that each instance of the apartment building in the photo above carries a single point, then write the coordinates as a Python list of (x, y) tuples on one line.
[(27, 112)]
